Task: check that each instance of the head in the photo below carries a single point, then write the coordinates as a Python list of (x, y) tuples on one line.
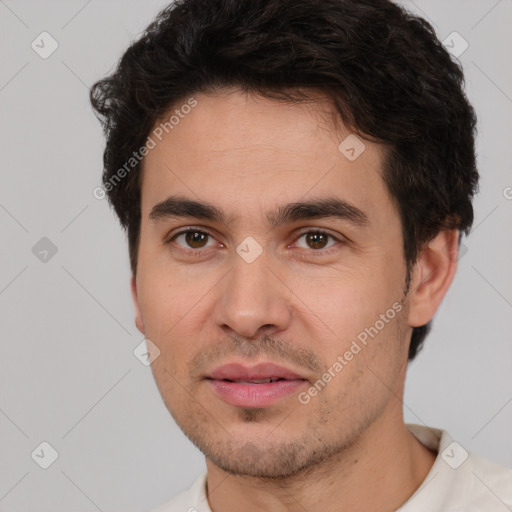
[(240, 120)]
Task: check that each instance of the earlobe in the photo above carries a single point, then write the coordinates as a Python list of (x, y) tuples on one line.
[(431, 277), (138, 314)]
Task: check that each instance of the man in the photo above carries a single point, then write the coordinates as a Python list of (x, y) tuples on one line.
[(294, 178)]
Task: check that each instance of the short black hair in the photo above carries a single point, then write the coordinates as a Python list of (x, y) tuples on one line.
[(388, 76)]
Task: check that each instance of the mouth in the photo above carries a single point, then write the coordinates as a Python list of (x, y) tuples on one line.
[(255, 381), (256, 386)]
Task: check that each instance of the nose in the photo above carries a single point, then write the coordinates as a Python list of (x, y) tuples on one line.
[(253, 300)]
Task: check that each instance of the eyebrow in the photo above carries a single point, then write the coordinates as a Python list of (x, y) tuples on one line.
[(176, 206), (317, 209)]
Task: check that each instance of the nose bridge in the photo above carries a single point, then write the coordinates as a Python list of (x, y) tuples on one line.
[(253, 297)]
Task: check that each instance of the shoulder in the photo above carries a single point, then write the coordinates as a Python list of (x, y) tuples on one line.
[(191, 500), (490, 484), (459, 480)]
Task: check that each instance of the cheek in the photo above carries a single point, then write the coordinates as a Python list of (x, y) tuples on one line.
[(175, 306), (346, 302), (166, 291), (359, 318)]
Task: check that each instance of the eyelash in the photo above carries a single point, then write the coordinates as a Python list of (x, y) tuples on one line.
[(318, 252)]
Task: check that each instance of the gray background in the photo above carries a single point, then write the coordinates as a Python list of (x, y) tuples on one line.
[(68, 375)]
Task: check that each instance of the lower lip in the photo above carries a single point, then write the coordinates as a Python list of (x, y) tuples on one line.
[(255, 395)]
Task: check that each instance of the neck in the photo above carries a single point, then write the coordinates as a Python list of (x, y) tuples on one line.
[(378, 472)]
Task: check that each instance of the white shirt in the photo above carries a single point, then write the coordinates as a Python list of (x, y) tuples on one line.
[(457, 482)]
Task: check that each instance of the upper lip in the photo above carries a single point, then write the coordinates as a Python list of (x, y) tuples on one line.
[(237, 371)]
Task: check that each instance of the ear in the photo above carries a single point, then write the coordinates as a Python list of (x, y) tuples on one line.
[(138, 314), (432, 275)]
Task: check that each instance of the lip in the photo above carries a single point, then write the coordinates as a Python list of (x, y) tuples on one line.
[(256, 395), (237, 371)]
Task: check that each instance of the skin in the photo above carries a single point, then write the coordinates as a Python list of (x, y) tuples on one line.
[(298, 304)]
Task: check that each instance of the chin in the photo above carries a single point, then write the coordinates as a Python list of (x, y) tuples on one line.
[(277, 462)]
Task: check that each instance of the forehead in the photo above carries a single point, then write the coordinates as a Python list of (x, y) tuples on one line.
[(247, 154)]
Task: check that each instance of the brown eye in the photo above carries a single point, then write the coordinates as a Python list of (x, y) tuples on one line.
[(316, 240), (196, 239), (193, 239)]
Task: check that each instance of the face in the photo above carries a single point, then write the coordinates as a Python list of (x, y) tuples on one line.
[(266, 253)]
